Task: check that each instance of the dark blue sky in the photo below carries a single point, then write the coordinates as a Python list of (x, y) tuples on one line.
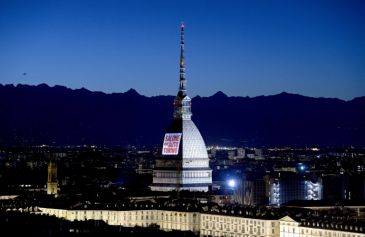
[(246, 48)]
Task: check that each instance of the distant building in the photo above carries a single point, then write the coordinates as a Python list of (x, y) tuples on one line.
[(183, 163), (231, 154), (258, 154), (286, 188), (52, 182), (349, 186), (255, 190), (241, 153)]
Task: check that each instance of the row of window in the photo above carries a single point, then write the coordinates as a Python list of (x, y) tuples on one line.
[(192, 174), (235, 220), (327, 233), (234, 225)]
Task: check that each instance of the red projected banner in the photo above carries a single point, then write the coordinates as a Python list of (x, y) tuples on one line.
[(171, 144)]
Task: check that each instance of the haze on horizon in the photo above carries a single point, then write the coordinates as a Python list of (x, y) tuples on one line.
[(243, 48)]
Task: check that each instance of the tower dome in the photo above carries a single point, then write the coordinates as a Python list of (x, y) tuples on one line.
[(183, 163), (191, 143)]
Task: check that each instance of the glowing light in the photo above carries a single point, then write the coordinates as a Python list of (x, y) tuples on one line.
[(301, 166), (231, 183)]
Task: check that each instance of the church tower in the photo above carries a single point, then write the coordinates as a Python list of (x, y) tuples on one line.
[(183, 162), (52, 183)]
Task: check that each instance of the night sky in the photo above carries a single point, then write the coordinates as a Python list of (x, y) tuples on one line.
[(243, 48)]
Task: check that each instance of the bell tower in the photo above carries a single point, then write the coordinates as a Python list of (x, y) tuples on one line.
[(52, 182)]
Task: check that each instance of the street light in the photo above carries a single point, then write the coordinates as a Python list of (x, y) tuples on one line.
[(231, 183), (235, 186)]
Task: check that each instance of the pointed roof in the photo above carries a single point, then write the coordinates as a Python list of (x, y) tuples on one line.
[(182, 59), (182, 102), (182, 84), (287, 218)]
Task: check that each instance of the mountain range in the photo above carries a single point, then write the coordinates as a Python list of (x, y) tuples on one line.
[(33, 115)]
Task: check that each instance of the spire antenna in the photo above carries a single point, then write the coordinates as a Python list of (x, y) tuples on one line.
[(182, 102), (182, 86)]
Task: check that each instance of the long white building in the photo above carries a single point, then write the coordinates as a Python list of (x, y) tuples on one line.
[(209, 223)]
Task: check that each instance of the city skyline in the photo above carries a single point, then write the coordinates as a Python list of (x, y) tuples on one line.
[(264, 136), (241, 48)]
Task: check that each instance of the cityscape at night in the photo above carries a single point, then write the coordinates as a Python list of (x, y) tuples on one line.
[(264, 137)]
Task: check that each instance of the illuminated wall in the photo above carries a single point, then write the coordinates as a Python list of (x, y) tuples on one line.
[(286, 189), (207, 224)]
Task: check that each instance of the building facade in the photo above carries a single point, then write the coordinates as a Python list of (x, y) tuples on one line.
[(52, 182), (183, 162), (211, 224), (288, 188), (167, 220)]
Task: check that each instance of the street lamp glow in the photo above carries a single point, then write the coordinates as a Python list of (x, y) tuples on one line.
[(231, 183), (301, 167)]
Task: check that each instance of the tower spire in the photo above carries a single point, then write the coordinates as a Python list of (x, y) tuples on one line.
[(182, 102), (182, 85)]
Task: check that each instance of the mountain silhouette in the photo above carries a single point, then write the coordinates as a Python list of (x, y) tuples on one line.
[(33, 115)]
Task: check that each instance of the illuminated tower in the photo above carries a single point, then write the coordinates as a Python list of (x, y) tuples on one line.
[(183, 163), (52, 183)]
